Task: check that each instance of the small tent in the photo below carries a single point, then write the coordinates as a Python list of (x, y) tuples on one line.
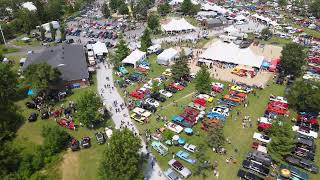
[(134, 57), (167, 56)]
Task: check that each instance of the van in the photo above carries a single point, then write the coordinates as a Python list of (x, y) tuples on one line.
[(261, 157), (153, 49)]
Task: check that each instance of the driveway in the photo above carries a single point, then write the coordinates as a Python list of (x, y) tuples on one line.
[(111, 95)]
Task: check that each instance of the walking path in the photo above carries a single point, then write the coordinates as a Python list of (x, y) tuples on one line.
[(110, 95), (190, 94)]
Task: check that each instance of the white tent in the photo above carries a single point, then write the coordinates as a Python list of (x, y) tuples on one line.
[(231, 53), (230, 29), (240, 18), (176, 2), (29, 6), (134, 57), (55, 24), (177, 26), (167, 56), (99, 48)]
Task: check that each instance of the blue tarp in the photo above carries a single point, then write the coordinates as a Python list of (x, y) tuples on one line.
[(265, 64), (30, 92), (188, 130)]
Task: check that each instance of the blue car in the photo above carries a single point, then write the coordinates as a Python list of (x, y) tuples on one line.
[(180, 121), (215, 115), (185, 156), (229, 103)]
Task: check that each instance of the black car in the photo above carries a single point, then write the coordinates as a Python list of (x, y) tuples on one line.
[(134, 78), (304, 153), (31, 105), (74, 144), (100, 137), (245, 44), (171, 89), (149, 107), (33, 117), (303, 163), (86, 142), (261, 157), (255, 166), (187, 78), (248, 175), (182, 83), (45, 115), (158, 97), (69, 41)]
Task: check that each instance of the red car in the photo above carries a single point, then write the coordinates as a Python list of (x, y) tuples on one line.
[(191, 111), (206, 125), (278, 104), (188, 117), (137, 95), (238, 94), (66, 123), (216, 89), (263, 126), (177, 86), (200, 101), (276, 110)]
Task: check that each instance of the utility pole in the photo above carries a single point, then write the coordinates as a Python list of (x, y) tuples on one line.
[(4, 40)]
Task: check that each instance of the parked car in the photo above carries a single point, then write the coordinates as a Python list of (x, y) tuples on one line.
[(86, 142), (293, 172), (261, 137), (139, 118), (206, 97), (255, 166), (248, 175), (190, 147), (177, 166), (31, 105), (165, 93), (74, 144), (171, 175), (305, 131), (158, 97), (180, 121), (149, 107), (302, 163), (171, 89), (261, 157), (100, 138), (152, 102), (159, 147), (303, 153), (185, 156), (137, 95), (221, 110), (173, 127)]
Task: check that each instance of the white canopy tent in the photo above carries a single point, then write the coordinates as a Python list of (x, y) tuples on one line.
[(240, 18), (134, 57), (167, 56), (218, 9), (99, 48), (231, 53), (176, 2), (30, 6), (177, 26), (46, 26)]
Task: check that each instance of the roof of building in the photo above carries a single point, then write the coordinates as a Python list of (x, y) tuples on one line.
[(70, 60)]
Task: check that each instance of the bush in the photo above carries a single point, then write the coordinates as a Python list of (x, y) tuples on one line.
[(55, 139)]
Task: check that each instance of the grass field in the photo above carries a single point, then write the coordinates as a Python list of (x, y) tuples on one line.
[(6, 50), (32, 43)]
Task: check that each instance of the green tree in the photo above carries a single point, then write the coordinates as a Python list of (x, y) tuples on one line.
[(168, 135), (315, 8), (54, 9), (55, 140), (114, 4), (164, 9), (9, 161), (305, 96), (142, 7), (63, 31), (41, 76), (292, 59), (41, 13), (145, 40), (88, 105), (216, 137), (282, 139), (53, 31), (186, 7), (123, 9), (121, 52), (180, 67), (203, 80), (8, 82), (153, 23), (155, 86), (28, 20), (106, 10), (266, 32), (42, 32), (121, 158), (202, 162), (282, 3)]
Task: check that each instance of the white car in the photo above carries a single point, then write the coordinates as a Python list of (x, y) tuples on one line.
[(278, 99), (141, 112), (221, 110), (173, 127), (220, 85), (108, 132), (177, 166), (206, 97), (152, 102), (265, 120), (261, 137), (165, 93), (305, 132), (190, 147), (147, 86)]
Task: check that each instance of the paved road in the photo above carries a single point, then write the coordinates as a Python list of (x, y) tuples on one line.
[(109, 96)]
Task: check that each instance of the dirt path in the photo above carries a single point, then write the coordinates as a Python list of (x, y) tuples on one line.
[(70, 166), (179, 99)]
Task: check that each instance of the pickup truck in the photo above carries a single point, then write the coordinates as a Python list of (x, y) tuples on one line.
[(180, 121), (177, 166)]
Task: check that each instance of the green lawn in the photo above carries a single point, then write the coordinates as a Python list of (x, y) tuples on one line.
[(32, 43), (6, 50)]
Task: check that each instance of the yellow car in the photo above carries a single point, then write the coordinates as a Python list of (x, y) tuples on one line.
[(138, 118), (206, 97), (238, 88), (167, 72)]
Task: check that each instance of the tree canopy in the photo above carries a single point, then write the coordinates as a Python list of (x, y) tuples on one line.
[(216, 137), (266, 32), (121, 158), (188, 8), (164, 9), (106, 10), (56, 139), (292, 59), (121, 52), (282, 139), (203, 80), (153, 23), (41, 76), (315, 8), (8, 84), (180, 67), (87, 108), (283, 2), (305, 96), (53, 32), (145, 40)]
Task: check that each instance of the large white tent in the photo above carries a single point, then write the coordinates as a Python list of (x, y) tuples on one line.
[(167, 56), (134, 57), (176, 2), (231, 53), (30, 6), (46, 26), (218, 9), (177, 25), (99, 48)]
